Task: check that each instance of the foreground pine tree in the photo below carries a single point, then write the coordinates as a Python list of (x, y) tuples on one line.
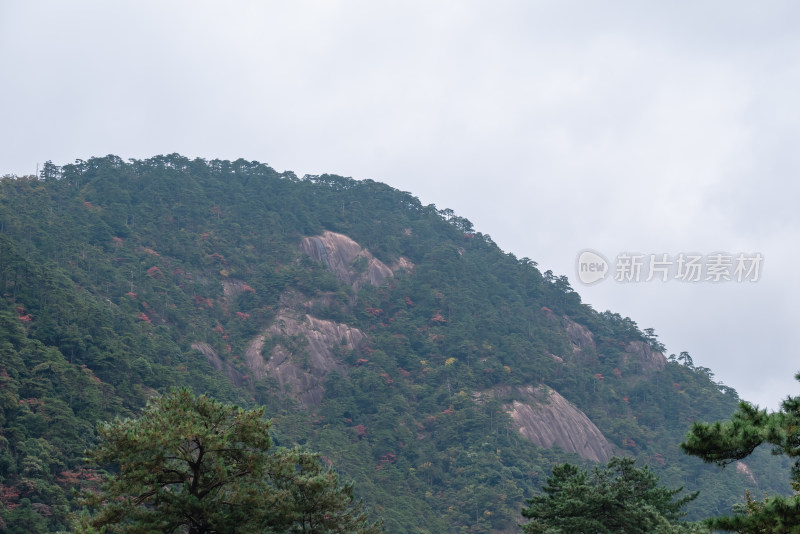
[(729, 441), (192, 464), (619, 497)]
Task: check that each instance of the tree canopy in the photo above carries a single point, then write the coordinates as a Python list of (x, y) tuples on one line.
[(192, 464), (619, 497), (725, 442)]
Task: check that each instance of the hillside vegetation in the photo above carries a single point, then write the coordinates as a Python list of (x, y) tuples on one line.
[(443, 376)]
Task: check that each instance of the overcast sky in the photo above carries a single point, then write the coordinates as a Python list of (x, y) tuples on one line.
[(554, 126)]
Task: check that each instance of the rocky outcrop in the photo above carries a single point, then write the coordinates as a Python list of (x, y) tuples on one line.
[(580, 337), (743, 469), (548, 419), (641, 353), (218, 364), (301, 365), (581, 340), (300, 348), (233, 288), (350, 263)]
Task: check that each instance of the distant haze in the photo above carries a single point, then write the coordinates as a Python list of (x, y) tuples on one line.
[(555, 127)]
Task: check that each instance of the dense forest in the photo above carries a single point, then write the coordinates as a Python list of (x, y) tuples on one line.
[(392, 337)]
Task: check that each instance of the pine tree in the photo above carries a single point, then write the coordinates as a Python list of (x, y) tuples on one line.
[(617, 498), (729, 441), (192, 464)]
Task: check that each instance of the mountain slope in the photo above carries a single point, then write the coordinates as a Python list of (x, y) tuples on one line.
[(445, 376)]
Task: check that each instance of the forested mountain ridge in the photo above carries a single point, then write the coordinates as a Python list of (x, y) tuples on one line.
[(442, 375)]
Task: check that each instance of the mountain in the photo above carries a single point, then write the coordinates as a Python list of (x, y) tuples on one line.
[(442, 375)]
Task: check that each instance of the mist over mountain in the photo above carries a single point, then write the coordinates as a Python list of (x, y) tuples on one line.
[(442, 375)]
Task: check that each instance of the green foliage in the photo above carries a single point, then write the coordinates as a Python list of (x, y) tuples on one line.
[(122, 279), (193, 464), (724, 442), (617, 498)]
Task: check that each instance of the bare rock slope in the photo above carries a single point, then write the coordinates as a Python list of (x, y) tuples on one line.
[(348, 261), (548, 419), (300, 367), (303, 347), (650, 360)]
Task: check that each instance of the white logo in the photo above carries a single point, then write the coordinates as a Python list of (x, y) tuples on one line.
[(718, 267), (592, 267)]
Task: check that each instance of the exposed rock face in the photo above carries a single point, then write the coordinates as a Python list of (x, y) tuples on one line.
[(301, 371), (303, 347), (743, 469), (232, 288), (548, 419), (349, 262), (641, 352), (216, 362), (580, 337)]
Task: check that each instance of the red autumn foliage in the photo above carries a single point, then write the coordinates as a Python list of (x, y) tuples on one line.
[(33, 403), (154, 271), (202, 301), (79, 476), (143, 316), (387, 458), (9, 496), (361, 429)]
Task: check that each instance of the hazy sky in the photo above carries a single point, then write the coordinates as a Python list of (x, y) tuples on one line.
[(554, 126)]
